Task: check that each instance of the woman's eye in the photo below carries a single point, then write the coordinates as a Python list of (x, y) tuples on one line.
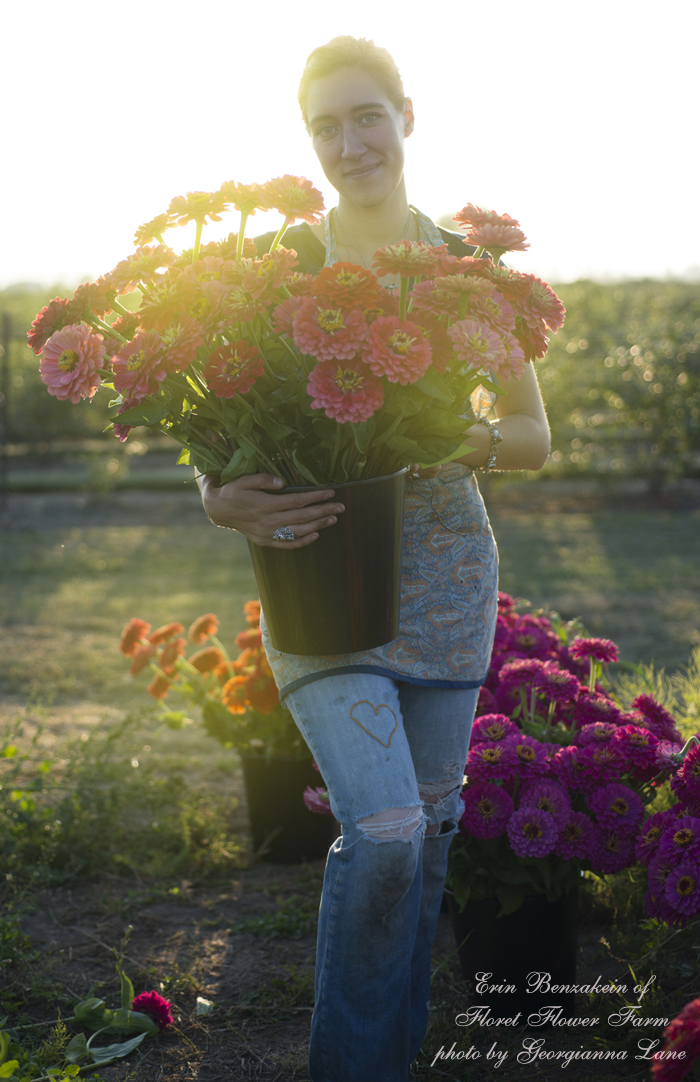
[(370, 117), (325, 131)]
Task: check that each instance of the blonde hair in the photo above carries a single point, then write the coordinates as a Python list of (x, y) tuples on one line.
[(349, 52)]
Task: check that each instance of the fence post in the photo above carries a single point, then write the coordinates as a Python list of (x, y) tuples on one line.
[(5, 407)]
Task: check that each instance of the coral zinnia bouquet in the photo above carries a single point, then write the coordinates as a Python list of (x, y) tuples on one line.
[(237, 697), (252, 367)]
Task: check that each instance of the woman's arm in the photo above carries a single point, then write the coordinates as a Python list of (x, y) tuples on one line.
[(244, 505), (522, 423)]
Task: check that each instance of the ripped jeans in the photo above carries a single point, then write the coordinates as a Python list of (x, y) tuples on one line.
[(392, 755)]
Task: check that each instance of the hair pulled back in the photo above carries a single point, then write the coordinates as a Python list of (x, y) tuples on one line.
[(349, 52)]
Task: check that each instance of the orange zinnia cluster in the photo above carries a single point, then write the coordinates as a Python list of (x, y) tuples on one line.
[(253, 684)]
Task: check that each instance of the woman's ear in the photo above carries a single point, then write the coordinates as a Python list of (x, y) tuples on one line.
[(408, 118)]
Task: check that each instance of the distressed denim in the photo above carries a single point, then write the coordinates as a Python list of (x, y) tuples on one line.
[(392, 755)]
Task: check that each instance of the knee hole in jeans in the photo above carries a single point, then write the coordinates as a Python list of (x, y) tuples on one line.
[(392, 824), (435, 794)]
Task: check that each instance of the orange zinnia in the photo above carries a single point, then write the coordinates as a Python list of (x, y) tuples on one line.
[(262, 693), (249, 640), (162, 634), (203, 627), (234, 695), (159, 687), (140, 657), (170, 654), (133, 633), (252, 612), (208, 659)]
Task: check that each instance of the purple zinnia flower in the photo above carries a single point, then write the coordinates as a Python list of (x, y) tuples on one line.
[(687, 781), (657, 906), (609, 851), (668, 755), (658, 718), (486, 703), (637, 746), (520, 671), (647, 843), (557, 685), (569, 767), (529, 639), (682, 888), (487, 808), (600, 649), (597, 732), (155, 1005), (681, 839), (492, 728), (599, 764), (531, 756), (617, 807), (592, 706), (548, 796), (531, 832), (491, 762), (317, 800), (574, 837)]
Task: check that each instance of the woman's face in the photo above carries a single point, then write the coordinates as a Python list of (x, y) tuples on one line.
[(358, 135)]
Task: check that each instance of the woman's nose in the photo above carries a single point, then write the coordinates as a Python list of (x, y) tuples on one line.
[(353, 144)]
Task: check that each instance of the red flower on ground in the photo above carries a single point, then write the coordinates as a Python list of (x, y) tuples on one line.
[(410, 259), (398, 350), (681, 1046), (70, 361), (328, 332), (134, 632), (138, 367), (164, 633), (233, 369), (295, 197), (51, 318), (345, 390), (156, 1006)]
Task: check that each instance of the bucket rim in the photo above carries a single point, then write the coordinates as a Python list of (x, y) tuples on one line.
[(341, 484)]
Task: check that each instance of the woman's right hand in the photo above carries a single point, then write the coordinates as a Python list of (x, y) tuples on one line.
[(243, 505)]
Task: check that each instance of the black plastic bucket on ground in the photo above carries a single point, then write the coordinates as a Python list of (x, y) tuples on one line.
[(538, 938), (342, 592), (281, 824)]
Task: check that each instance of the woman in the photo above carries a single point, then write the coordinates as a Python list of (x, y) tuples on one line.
[(389, 727)]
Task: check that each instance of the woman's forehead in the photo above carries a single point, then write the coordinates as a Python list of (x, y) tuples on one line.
[(343, 91)]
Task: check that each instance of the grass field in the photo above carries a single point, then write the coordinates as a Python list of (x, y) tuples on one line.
[(142, 841)]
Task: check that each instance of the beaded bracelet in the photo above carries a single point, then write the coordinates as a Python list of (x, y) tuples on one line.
[(496, 438)]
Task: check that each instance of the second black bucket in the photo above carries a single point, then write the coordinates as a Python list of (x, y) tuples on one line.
[(341, 593)]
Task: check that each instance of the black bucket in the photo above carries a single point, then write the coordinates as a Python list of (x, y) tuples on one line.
[(341, 593), (538, 938), (281, 824)]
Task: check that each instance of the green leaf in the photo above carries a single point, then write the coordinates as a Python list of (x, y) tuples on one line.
[(102, 1056), (303, 470), (510, 898), (274, 429), (90, 1011), (124, 1021), (127, 990), (8, 1069), (183, 459), (363, 433), (149, 413), (77, 1049), (238, 464), (404, 445), (9, 751), (463, 449), (435, 386), (174, 719)]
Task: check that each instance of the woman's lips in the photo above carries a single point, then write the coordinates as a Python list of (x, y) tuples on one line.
[(365, 171)]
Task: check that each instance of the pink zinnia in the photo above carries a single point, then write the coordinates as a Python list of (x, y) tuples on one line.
[(600, 649), (658, 719), (557, 685), (668, 755), (617, 807), (687, 781), (681, 1036), (295, 197), (328, 332), (574, 837), (70, 362), (473, 217), (181, 343), (570, 768), (520, 672), (284, 314), (497, 238), (531, 755), (410, 259), (531, 832), (346, 391), (649, 837), (541, 307), (142, 266), (513, 362), (600, 763), (50, 319), (476, 344), (318, 800), (486, 810), (138, 367), (156, 1006), (591, 707), (397, 349), (491, 762), (233, 369), (491, 728), (599, 732), (529, 638), (637, 746)]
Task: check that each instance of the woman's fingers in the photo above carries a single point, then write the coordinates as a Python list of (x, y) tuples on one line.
[(250, 505)]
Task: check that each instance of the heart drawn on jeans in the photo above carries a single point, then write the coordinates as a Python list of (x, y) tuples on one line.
[(368, 717)]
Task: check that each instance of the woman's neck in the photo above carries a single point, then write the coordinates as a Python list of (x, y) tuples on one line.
[(360, 231)]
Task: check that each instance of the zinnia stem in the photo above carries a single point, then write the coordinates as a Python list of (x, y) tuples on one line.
[(99, 325), (241, 235), (197, 240), (280, 233), (403, 297), (592, 675), (336, 449), (120, 308)]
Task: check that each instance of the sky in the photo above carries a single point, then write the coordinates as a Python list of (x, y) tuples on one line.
[(579, 120)]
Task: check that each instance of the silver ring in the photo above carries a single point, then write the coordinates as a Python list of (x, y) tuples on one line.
[(284, 533)]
